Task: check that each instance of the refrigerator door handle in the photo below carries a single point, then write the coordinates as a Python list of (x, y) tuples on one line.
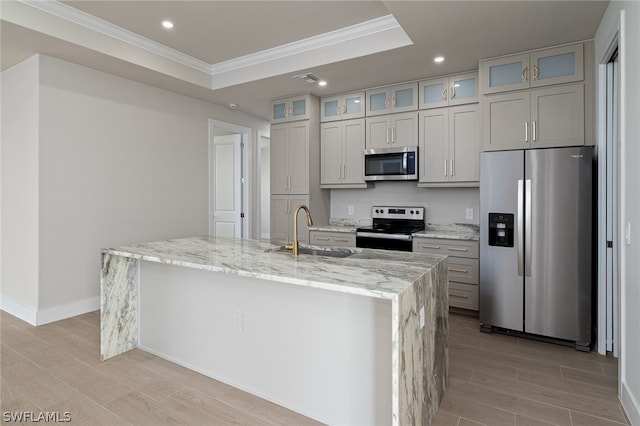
[(527, 228), (520, 227)]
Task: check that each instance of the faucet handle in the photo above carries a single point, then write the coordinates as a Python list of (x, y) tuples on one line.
[(288, 246)]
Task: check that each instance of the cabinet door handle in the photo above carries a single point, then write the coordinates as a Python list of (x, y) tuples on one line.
[(526, 131), (453, 93), (393, 135), (344, 171), (525, 73), (459, 297), (445, 168), (464, 271), (536, 72), (457, 249), (429, 246), (393, 101), (342, 240), (444, 93), (387, 102), (453, 172), (322, 238), (533, 139)]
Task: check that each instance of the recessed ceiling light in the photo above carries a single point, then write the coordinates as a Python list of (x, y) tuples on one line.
[(438, 59), (322, 83), (167, 24)]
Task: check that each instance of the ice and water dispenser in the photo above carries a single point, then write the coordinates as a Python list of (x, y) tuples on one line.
[(501, 229)]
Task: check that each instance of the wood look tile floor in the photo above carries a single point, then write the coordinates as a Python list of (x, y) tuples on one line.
[(494, 380)]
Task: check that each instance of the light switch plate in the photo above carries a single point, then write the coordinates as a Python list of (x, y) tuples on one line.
[(350, 210)]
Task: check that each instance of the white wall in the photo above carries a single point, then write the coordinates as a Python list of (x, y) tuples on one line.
[(630, 194), (119, 162), (19, 162), (443, 205)]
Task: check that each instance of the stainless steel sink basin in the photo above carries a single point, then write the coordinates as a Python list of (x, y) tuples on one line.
[(320, 251)]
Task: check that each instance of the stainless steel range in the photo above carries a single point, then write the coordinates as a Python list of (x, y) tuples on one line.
[(392, 228)]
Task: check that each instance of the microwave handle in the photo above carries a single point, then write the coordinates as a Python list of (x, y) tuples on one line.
[(404, 161)]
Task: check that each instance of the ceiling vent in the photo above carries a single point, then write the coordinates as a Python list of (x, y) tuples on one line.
[(308, 78)]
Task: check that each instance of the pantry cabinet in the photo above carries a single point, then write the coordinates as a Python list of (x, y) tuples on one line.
[(282, 209), (544, 67), (392, 130), (342, 146), (392, 99), (445, 91), (342, 107), (450, 146), (538, 118), (290, 158)]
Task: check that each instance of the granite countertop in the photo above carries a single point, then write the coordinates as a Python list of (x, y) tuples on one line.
[(377, 273), (334, 228), (453, 231)]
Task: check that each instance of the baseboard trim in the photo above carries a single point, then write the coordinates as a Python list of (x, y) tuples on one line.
[(630, 404), (45, 316), (18, 310)]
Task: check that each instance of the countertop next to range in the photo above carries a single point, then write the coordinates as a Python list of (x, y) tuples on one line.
[(452, 231)]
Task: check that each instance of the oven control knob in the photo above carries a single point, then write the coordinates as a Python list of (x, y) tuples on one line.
[(377, 211), (411, 212), (381, 210)]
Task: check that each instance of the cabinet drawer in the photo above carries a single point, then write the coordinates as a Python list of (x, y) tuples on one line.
[(457, 248), (463, 270), (463, 296), (332, 239)]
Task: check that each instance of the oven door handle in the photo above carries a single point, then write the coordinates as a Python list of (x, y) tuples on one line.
[(400, 237)]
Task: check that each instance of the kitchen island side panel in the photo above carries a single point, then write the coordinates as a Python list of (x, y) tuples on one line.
[(423, 349), (118, 305)]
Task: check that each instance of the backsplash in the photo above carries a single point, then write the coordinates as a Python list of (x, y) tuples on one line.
[(442, 205)]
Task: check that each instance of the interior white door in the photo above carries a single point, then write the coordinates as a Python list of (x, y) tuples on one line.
[(227, 180)]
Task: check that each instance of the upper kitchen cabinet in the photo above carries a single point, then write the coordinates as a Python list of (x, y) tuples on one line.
[(543, 67), (342, 107), (450, 146), (392, 99), (290, 109), (342, 154), (539, 118), (449, 91), (392, 130), (290, 158)]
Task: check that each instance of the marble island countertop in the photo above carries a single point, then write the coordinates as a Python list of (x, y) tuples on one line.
[(376, 273), (453, 231)]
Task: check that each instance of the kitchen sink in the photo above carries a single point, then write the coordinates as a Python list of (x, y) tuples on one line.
[(319, 251)]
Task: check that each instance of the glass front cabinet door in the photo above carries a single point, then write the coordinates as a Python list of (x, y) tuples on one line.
[(342, 107), (543, 67), (448, 91), (290, 109), (387, 100)]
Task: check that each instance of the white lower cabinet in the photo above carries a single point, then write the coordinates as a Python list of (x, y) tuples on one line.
[(282, 209), (463, 268), (332, 239)]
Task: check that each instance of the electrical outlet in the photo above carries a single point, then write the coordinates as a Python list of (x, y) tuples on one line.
[(237, 322), (421, 318), (350, 210), (469, 213), (627, 233)]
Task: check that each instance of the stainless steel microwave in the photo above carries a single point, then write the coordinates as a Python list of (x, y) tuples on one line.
[(391, 163)]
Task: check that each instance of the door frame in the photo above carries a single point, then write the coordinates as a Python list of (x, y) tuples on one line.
[(259, 184), (245, 187)]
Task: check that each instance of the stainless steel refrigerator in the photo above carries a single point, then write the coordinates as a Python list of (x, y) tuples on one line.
[(535, 242)]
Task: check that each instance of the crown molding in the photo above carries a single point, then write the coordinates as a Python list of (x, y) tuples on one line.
[(76, 16), (373, 36), (364, 29)]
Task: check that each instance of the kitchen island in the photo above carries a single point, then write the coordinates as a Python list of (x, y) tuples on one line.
[(360, 339)]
